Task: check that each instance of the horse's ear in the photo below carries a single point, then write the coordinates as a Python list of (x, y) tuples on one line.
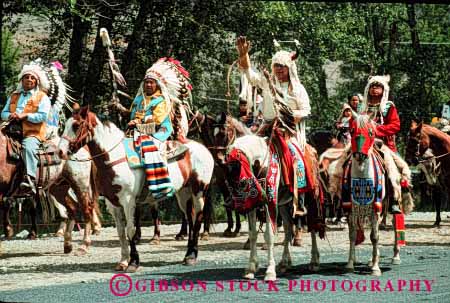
[(419, 126), (84, 112), (413, 125), (222, 118)]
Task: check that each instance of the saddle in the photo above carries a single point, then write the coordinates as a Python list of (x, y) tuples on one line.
[(48, 155), (175, 150)]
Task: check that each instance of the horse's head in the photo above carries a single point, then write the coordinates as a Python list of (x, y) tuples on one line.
[(224, 135), (418, 143), (321, 140), (78, 132), (363, 137)]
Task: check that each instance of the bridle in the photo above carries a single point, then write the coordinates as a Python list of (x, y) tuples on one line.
[(82, 138), (230, 139)]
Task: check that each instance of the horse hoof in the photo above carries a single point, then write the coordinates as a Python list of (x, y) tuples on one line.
[(121, 267), (249, 275), (179, 237), (155, 241), (297, 242), (67, 249), (264, 247), (349, 269), (396, 261), (228, 233), (283, 267), (376, 273), (437, 225), (189, 261), (314, 267), (81, 251), (246, 245), (133, 268), (204, 236), (32, 236), (270, 277), (96, 232), (9, 232)]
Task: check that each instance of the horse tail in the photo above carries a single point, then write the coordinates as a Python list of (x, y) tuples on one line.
[(94, 188)]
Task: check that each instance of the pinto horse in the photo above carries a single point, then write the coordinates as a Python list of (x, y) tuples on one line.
[(253, 154), (121, 185), (363, 190), (59, 179), (422, 138)]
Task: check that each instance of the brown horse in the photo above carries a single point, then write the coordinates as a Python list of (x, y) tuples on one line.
[(57, 181), (422, 138), (203, 126)]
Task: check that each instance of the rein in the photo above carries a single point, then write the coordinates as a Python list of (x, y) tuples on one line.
[(434, 157), (98, 155)]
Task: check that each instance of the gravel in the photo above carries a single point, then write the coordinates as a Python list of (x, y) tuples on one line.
[(28, 264)]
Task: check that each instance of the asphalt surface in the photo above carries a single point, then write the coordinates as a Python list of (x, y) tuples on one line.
[(422, 276)]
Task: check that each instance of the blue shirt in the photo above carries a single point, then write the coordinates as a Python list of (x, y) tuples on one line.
[(165, 129), (37, 117)]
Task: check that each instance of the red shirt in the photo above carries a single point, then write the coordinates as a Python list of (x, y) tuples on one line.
[(390, 127)]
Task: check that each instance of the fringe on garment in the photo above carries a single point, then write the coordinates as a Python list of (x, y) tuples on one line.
[(156, 172)]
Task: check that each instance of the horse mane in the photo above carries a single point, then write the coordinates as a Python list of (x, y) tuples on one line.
[(437, 134)]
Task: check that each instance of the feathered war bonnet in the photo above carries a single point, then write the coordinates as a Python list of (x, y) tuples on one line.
[(34, 68), (172, 79), (287, 59), (49, 80), (384, 82)]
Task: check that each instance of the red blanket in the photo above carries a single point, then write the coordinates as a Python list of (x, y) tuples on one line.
[(245, 190)]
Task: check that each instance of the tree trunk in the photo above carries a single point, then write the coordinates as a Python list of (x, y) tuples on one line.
[(130, 55), (92, 85), (80, 30), (412, 27)]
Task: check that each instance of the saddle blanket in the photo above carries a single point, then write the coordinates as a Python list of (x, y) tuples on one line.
[(133, 158), (362, 191)]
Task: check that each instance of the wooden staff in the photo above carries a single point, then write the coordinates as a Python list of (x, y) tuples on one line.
[(117, 77)]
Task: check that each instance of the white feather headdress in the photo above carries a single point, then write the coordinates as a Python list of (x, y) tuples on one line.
[(383, 81), (34, 68), (172, 78)]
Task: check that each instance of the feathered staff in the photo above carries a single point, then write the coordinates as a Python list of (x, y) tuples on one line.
[(117, 77)]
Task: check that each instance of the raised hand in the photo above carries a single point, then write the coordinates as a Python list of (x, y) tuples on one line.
[(243, 46)]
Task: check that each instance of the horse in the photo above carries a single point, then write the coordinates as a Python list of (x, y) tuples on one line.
[(225, 133), (121, 185), (252, 153), (329, 150), (363, 190), (57, 181), (205, 127), (424, 138), (431, 183)]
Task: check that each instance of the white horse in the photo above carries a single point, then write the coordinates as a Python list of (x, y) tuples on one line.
[(257, 152), (364, 189), (121, 185)]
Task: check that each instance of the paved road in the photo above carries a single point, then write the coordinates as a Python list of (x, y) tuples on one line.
[(427, 264)]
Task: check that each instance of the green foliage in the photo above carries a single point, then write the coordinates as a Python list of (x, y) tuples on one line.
[(10, 58), (364, 37)]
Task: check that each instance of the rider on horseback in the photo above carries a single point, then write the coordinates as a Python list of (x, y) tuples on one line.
[(29, 107), (384, 113), (152, 107), (294, 95)]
